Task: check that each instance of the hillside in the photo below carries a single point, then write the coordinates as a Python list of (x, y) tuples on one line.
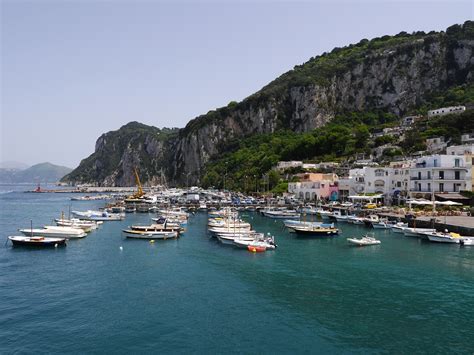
[(117, 153), (39, 173), (375, 81)]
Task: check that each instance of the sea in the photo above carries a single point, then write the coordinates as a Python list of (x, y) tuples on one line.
[(107, 294)]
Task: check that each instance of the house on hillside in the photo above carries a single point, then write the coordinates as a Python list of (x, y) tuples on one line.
[(315, 186), (446, 111)]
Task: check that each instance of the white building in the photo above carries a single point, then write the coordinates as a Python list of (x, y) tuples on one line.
[(468, 152), (370, 180), (446, 111), (282, 165), (438, 174), (467, 138)]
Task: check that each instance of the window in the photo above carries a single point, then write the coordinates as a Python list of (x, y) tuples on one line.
[(456, 163), (429, 174), (457, 175), (419, 175), (429, 186), (441, 187), (419, 187), (441, 175), (435, 162)]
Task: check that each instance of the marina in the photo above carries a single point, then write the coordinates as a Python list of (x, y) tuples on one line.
[(309, 278)]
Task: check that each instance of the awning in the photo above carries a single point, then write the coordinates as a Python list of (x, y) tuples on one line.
[(451, 196), (363, 197)]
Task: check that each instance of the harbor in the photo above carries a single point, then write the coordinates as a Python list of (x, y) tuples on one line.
[(299, 293)]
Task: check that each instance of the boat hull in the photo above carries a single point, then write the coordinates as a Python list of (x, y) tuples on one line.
[(37, 241)]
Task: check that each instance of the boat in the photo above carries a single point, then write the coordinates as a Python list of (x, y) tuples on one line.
[(268, 243), (281, 214), (99, 215), (256, 249), (465, 241), (399, 227), (364, 241), (86, 226), (135, 234), (371, 219), (326, 215), (382, 224), (443, 237), (417, 232), (54, 231), (37, 241), (316, 230), (356, 220)]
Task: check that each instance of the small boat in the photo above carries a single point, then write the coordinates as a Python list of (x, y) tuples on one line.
[(355, 220), (86, 226), (281, 214), (268, 243), (382, 224), (465, 241), (365, 240), (256, 248), (316, 230), (399, 227), (134, 234), (443, 237), (417, 232), (54, 232), (37, 241), (99, 215), (371, 219)]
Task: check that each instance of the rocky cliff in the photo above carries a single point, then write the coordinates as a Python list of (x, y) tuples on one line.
[(391, 73), (117, 153)]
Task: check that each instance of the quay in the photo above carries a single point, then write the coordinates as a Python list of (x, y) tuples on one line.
[(463, 225)]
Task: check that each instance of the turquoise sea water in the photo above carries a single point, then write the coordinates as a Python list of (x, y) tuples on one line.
[(195, 295)]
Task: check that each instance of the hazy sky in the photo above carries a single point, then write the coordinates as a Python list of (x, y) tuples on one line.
[(72, 70)]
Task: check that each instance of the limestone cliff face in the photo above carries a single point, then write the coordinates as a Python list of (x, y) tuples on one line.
[(395, 79), (394, 74), (118, 153)]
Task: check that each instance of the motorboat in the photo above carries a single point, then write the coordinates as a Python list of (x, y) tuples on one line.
[(417, 232), (281, 214), (364, 241), (268, 243), (99, 215), (371, 219), (316, 230), (382, 224), (136, 234), (356, 220), (443, 237), (399, 227), (85, 225), (465, 241), (54, 231), (326, 215), (37, 241)]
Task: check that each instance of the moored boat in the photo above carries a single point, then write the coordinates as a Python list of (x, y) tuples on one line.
[(54, 231), (364, 241), (134, 234), (316, 230), (37, 241)]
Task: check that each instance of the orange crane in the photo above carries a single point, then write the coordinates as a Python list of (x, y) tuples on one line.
[(139, 192)]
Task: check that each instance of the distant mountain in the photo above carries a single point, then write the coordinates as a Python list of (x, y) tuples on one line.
[(13, 165), (39, 173)]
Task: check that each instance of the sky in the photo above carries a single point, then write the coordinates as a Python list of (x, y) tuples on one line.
[(72, 70)]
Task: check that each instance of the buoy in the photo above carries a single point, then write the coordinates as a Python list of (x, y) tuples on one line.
[(121, 248), (254, 250), (56, 245), (152, 241)]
